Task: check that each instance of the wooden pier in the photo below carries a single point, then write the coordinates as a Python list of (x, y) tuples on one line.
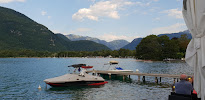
[(175, 77)]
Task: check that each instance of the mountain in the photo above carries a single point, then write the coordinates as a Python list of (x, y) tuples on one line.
[(135, 42), (17, 31), (117, 44), (113, 45), (178, 35)]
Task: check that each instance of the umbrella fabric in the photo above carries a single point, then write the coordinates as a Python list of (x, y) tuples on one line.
[(194, 16)]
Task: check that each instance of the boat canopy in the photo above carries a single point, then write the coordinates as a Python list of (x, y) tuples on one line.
[(113, 62), (77, 65)]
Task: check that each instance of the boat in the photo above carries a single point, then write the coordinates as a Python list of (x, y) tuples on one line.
[(116, 69), (82, 78)]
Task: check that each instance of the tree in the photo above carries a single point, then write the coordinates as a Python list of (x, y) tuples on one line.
[(149, 48)]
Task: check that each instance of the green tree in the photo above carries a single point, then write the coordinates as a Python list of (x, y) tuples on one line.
[(149, 48)]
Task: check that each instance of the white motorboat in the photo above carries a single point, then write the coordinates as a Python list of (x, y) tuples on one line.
[(76, 79), (117, 69)]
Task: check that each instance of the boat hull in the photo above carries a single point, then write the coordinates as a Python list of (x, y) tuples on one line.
[(78, 83)]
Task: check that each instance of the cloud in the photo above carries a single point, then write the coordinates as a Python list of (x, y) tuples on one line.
[(80, 30), (43, 13), (174, 13), (170, 29), (108, 9), (110, 37), (9, 1)]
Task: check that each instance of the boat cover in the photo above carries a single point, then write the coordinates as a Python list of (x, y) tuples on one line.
[(73, 78)]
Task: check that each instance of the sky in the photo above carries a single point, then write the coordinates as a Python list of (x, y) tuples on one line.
[(104, 19)]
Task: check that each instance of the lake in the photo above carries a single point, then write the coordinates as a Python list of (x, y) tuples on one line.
[(20, 78)]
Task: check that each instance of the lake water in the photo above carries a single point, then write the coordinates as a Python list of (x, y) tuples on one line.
[(20, 78)]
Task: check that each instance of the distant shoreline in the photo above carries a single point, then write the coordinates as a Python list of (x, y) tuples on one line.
[(138, 60)]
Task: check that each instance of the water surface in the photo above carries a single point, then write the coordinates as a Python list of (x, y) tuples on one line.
[(20, 78)]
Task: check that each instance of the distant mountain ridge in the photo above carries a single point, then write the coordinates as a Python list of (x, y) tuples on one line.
[(18, 32), (135, 42), (113, 45), (178, 35)]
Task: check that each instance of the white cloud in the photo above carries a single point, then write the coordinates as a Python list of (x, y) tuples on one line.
[(174, 13), (43, 13), (108, 9), (80, 30), (170, 29), (110, 37), (9, 1)]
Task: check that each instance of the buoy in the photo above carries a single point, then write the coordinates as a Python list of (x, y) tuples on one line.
[(137, 70), (39, 87)]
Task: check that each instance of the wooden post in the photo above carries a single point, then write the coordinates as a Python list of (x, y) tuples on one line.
[(156, 79), (109, 75), (138, 78), (143, 79), (123, 77), (160, 79)]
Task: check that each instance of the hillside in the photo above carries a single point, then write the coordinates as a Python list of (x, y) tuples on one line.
[(113, 45), (135, 42), (20, 32)]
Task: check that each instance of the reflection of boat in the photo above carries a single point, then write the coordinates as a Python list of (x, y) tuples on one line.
[(76, 79), (117, 69)]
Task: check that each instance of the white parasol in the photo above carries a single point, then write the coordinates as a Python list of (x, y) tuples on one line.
[(194, 16)]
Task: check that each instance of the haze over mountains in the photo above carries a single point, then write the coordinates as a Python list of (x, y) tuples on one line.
[(118, 44), (113, 45), (20, 32)]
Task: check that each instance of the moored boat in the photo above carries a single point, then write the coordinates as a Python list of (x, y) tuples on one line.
[(114, 68), (82, 78)]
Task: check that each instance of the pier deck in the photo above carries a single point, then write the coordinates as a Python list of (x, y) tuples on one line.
[(135, 73)]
